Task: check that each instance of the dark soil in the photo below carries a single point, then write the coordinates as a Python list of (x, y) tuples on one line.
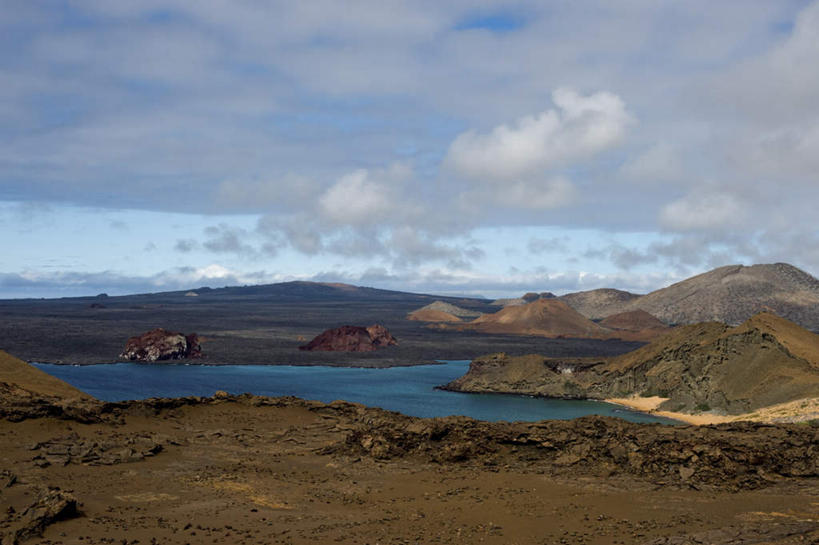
[(260, 325)]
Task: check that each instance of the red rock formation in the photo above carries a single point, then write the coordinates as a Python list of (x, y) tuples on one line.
[(351, 338), (161, 344)]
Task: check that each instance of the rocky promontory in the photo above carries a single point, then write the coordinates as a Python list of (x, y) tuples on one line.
[(161, 344), (351, 338), (710, 367)]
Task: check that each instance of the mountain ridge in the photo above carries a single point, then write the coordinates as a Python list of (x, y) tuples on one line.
[(729, 294)]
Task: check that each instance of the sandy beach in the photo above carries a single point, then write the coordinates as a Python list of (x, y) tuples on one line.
[(795, 411)]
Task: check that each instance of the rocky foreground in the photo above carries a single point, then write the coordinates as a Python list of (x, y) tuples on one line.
[(248, 469)]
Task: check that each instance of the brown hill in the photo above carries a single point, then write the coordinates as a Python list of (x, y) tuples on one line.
[(597, 304), (429, 315), (765, 361), (633, 320), (351, 338), (19, 374), (548, 317), (734, 293), (440, 311)]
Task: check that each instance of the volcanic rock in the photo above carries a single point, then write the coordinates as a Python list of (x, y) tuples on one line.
[(351, 338), (765, 361), (161, 344), (51, 506)]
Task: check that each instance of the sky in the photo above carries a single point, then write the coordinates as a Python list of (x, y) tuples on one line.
[(470, 148)]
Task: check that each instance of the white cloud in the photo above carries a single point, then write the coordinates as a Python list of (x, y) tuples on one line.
[(658, 163), (357, 199), (537, 195), (580, 127), (272, 108), (703, 211)]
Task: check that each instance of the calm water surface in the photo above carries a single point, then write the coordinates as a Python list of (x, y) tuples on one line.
[(409, 390)]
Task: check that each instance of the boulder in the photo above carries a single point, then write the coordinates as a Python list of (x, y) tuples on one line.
[(52, 505), (161, 344), (351, 338)]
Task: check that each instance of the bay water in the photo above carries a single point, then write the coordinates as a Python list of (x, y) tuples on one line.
[(409, 390)]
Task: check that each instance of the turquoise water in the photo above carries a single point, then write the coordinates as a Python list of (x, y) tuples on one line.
[(409, 390)]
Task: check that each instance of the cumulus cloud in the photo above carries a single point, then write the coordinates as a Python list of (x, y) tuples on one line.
[(579, 127), (413, 248), (703, 212), (357, 199)]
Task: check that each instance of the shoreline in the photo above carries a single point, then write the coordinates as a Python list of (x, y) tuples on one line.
[(199, 362), (801, 410), (648, 405)]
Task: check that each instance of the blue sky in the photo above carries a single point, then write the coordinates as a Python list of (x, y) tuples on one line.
[(473, 148)]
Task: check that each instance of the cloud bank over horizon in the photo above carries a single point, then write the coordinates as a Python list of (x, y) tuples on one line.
[(451, 148)]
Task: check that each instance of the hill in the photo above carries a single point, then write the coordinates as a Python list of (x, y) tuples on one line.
[(632, 320), (441, 311), (28, 378), (597, 304), (707, 367), (729, 294), (734, 293), (546, 317), (262, 324), (428, 315)]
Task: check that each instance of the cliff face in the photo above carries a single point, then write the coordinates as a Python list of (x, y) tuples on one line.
[(350, 338), (763, 362), (530, 375)]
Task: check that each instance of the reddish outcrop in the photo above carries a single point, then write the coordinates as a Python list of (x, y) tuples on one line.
[(351, 338), (161, 344)]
